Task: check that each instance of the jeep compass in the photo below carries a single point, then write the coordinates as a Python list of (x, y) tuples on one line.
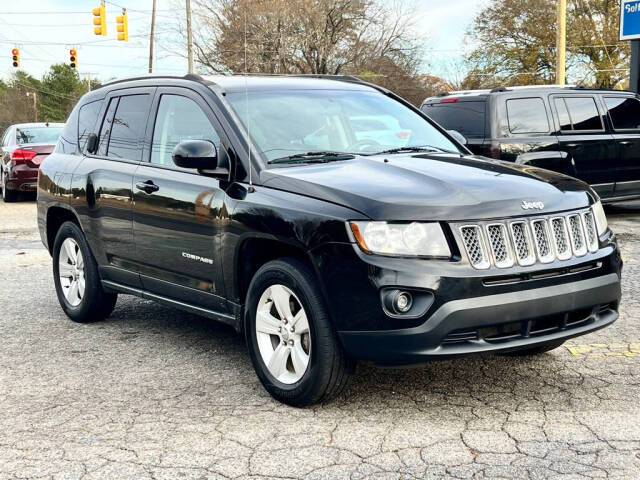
[(326, 219)]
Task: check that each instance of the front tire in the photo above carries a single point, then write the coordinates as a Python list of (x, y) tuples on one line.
[(292, 345), (76, 277)]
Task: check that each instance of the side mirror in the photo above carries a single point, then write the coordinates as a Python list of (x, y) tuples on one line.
[(458, 136), (200, 154), (92, 143)]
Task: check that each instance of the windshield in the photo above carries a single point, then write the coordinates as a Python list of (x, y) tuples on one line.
[(285, 123), (37, 135)]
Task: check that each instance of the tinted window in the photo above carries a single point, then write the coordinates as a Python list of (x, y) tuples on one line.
[(584, 113), (563, 114), (105, 130), (87, 120), (527, 115), (5, 137), (179, 118), (624, 112), (468, 118), (128, 127), (68, 141), (37, 135)]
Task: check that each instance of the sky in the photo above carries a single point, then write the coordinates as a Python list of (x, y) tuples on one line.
[(45, 30)]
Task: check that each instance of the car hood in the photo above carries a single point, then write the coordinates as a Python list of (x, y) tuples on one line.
[(431, 187)]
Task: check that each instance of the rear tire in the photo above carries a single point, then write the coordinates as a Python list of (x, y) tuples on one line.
[(547, 347), (300, 366), (75, 274), (8, 195)]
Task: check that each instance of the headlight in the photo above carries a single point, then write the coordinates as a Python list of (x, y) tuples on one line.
[(402, 239), (600, 217)]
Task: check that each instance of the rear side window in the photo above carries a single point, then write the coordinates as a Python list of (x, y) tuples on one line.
[(468, 118), (128, 127), (583, 113), (624, 112), (87, 119), (527, 115)]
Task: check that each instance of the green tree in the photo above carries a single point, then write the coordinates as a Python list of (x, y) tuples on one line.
[(17, 99), (515, 43), (60, 89)]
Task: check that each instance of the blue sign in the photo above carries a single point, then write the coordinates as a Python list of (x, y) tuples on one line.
[(629, 19)]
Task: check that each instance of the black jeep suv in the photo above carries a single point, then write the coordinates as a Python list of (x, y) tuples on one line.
[(326, 218), (593, 135)]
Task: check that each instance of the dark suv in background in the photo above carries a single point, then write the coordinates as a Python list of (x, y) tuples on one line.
[(326, 218), (593, 135)]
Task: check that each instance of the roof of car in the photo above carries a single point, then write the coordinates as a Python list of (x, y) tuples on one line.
[(238, 83), (38, 124)]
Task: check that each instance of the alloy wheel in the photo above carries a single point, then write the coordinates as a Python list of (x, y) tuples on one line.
[(282, 332), (71, 271)]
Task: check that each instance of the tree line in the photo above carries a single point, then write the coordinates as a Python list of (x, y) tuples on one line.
[(509, 42)]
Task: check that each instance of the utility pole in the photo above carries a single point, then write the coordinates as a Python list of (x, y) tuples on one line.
[(153, 26), (561, 42), (189, 37), (34, 94)]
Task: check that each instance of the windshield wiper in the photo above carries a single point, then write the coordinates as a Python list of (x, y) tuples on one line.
[(424, 148), (313, 157)]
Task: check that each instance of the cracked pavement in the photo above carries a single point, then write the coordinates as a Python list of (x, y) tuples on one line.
[(155, 393)]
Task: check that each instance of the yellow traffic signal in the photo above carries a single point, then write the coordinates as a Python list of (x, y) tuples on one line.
[(15, 55), (100, 20), (73, 58), (122, 26)]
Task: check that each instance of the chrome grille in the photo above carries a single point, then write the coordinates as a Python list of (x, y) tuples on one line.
[(577, 235), (503, 244), (474, 246), (499, 243), (561, 238), (522, 243), (590, 230)]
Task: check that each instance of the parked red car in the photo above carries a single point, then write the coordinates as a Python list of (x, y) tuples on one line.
[(23, 148)]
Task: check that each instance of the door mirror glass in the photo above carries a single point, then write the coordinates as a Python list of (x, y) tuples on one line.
[(457, 136), (200, 154)]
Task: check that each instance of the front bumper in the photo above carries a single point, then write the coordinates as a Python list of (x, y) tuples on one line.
[(473, 311), (495, 323)]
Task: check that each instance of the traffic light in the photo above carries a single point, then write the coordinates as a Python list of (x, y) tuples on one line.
[(100, 20), (73, 58), (122, 26), (15, 55)]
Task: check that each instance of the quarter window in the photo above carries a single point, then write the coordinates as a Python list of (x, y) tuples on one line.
[(527, 115), (583, 113), (624, 112), (87, 119), (179, 118)]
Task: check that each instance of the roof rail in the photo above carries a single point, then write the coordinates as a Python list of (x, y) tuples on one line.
[(326, 76), (189, 76), (499, 89)]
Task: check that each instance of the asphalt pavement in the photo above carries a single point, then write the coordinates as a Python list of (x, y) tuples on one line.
[(155, 393)]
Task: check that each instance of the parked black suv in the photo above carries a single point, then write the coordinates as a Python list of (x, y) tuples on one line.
[(593, 135), (348, 227)]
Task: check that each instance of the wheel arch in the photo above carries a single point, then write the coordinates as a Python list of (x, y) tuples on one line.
[(56, 216)]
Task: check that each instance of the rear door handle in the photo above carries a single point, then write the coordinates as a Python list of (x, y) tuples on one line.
[(147, 186), (626, 143), (574, 145)]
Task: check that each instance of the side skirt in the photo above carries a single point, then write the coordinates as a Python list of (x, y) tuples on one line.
[(234, 320)]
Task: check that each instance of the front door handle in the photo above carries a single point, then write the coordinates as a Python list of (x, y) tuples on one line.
[(626, 143), (575, 146), (147, 186)]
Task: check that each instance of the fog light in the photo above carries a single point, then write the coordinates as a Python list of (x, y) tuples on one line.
[(403, 302)]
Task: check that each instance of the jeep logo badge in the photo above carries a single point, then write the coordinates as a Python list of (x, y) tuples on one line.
[(532, 205)]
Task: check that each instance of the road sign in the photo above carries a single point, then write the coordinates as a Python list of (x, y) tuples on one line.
[(629, 19)]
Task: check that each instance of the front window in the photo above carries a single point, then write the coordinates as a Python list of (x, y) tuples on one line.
[(37, 135), (284, 123)]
